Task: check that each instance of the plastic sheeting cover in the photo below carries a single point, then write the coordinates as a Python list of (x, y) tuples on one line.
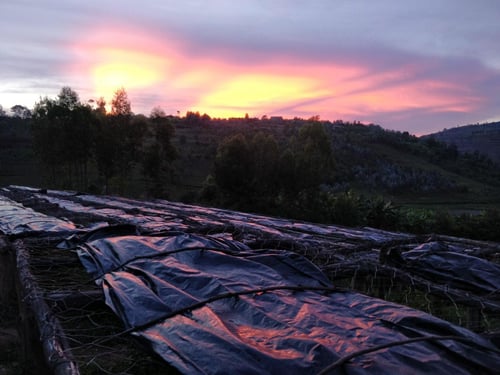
[(179, 295), (107, 254), (434, 261), (15, 219)]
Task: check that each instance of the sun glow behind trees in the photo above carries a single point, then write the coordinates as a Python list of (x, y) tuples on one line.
[(134, 69), (168, 73), (108, 61), (258, 92)]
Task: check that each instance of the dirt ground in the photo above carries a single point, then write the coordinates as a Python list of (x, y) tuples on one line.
[(10, 361)]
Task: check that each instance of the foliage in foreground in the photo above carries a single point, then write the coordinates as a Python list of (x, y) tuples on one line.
[(72, 140), (305, 169), (295, 179)]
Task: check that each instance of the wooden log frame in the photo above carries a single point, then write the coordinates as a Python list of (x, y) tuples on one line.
[(6, 271), (55, 349), (341, 257)]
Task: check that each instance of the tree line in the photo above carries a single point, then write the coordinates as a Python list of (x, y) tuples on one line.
[(312, 175), (17, 111), (73, 140), (265, 173), (294, 179), (308, 170)]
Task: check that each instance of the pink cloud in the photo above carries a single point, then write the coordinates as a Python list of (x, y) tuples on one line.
[(167, 71)]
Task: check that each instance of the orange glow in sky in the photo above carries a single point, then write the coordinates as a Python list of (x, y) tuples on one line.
[(365, 62), (149, 67), (257, 92), (109, 62), (128, 69)]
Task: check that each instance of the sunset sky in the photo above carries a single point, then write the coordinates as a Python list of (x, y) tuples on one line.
[(417, 66)]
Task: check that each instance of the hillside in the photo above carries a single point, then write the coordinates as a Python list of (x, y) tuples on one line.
[(482, 138), (367, 160), (411, 169)]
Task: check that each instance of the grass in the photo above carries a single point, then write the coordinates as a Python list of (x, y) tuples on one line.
[(471, 318), (197, 147), (476, 196)]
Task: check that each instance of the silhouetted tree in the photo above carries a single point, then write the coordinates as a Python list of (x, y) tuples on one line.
[(313, 156), (20, 111), (68, 98), (306, 162), (119, 142), (120, 104), (265, 158), (193, 118), (101, 106), (163, 133), (287, 173), (63, 138), (233, 169), (159, 153), (106, 149)]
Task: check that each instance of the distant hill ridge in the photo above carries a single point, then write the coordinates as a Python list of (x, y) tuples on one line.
[(483, 138)]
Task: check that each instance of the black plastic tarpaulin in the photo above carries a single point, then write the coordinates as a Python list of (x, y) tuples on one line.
[(436, 262), (19, 220), (212, 306)]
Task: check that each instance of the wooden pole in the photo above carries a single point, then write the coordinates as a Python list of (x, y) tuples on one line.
[(33, 309)]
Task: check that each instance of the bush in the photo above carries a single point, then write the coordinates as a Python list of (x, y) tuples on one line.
[(416, 220), (345, 209), (381, 213)]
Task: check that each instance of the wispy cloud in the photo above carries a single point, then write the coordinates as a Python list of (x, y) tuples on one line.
[(417, 66)]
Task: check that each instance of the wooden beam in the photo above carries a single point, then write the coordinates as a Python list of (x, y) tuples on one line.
[(56, 350)]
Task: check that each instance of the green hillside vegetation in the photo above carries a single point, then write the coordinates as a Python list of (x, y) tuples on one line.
[(332, 172), (413, 170), (17, 160), (477, 138)]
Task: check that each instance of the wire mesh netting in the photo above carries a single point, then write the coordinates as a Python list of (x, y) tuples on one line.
[(90, 331), (423, 272)]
